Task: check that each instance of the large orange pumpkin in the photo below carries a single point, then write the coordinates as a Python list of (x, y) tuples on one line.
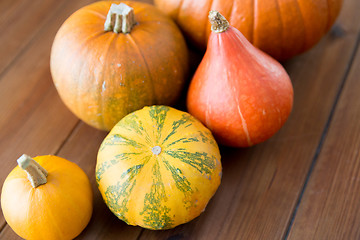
[(105, 69), (282, 28)]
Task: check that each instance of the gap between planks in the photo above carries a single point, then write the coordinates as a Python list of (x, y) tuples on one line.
[(31, 40), (24, 48), (76, 126), (21, 52), (323, 136)]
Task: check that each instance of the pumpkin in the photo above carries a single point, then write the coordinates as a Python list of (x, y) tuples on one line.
[(158, 168), (282, 28), (108, 60), (47, 197), (241, 94)]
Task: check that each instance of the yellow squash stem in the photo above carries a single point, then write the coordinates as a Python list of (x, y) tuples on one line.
[(120, 19), (156, 150), (36, 173)]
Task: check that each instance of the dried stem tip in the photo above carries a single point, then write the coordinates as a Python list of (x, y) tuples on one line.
[(156, 150), (218, 22), (120, 19), (36, 173)]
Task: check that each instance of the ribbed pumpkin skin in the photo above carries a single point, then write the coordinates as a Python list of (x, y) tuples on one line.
[(158, 191), (102, 76), (281, 28), (59, 209)]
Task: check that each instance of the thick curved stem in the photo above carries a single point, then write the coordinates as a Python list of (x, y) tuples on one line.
[(218, 22), (120, 19), (36, 173)]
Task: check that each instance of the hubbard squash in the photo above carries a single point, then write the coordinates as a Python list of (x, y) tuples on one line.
[(47, 197), (240, 93), (282, 28), (158, 168), (108, 60)]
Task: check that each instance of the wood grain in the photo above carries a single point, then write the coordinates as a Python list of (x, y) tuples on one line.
[(261, 186), (104, 224), (20, 21), (33, 119), (330, 206)]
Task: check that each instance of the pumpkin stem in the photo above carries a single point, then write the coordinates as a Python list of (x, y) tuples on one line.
[(36, 173), (218, 22), (120, 18)]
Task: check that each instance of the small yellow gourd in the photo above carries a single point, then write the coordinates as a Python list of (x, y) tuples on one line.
[(47, 197)]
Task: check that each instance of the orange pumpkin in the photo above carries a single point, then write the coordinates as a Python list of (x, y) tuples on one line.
[(108, 60), (282, 28)]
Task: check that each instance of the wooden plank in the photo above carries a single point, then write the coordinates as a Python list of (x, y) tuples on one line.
[(261, 185), (81, 147), (33, 119), (20, 22), (330, 206), (36, 135), (7, 9), (104, 224)]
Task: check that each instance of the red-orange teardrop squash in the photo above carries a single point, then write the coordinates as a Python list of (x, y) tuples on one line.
[(240, 93), (282, 28)]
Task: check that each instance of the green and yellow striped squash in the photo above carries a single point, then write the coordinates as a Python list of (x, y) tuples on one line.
[(158, 168)]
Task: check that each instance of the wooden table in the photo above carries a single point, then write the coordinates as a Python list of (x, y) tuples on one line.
[(303, 183)]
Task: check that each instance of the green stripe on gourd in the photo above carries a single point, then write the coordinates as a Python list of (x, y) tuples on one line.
[(133, 123), (186, 118), (207, 138), (117, 195), (158, 116), (183, 140), (117, 139), (101, 168), (201, 161), (180, 180), (155, 213)]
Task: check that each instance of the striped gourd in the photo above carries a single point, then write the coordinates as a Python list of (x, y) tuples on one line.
[(158, 168)]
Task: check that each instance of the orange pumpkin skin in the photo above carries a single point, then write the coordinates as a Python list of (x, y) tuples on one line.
[(102, 76), (240, 93), (58, 209), (281, 28)]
